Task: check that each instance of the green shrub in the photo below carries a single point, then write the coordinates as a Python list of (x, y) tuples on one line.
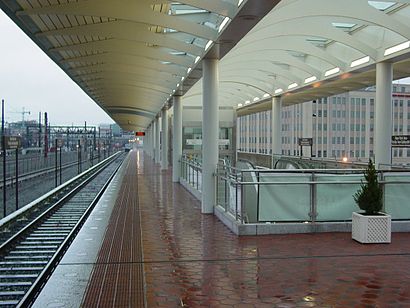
[(369, 197)]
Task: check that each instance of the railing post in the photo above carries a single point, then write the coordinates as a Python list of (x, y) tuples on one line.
[(313, 207), (383, 188), (197, 182), (242, 197), (226, 188), (257, 196), (236, 192)]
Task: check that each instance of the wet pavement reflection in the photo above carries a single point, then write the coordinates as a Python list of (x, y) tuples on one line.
[(193, 260)]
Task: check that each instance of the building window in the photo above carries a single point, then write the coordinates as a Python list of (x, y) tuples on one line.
[(351, 140), (372, 102), (324, 153), (403, 89), (394, 89)]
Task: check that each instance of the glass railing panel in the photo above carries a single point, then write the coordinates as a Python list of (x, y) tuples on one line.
[(334, 201), (397, 195), (284, 202)]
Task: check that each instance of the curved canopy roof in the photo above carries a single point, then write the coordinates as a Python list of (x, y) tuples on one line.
[(130, 56), (308, 49)]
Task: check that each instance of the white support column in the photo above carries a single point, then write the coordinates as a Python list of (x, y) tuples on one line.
[(383, 114), (157, 140), (146, 141), (276, 125), (176, 139), (164, 145), (210, 133), (153, 140)]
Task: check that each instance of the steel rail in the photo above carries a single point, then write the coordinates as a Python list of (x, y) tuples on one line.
[(25, 240), (38, 284)]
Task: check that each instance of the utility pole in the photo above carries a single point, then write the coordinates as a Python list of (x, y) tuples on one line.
[(3, 144), (39, 129), (45, 134)]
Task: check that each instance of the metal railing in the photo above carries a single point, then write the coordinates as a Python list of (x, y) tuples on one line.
[(191, 171), (310, 195)]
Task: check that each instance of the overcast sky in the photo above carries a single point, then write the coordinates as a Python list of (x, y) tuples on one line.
[(29, 79)]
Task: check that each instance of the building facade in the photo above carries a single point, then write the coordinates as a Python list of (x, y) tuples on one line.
[(340, 126)]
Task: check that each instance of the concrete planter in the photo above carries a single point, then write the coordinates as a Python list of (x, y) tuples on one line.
[(371, 229)]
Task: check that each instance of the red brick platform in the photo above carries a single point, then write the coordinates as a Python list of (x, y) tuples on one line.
[(193, 260)]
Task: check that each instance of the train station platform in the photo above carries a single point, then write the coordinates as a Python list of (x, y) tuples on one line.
[(147, 245)]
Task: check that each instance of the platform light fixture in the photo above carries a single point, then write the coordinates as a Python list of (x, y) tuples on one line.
[(223, 23), (397, 48), (189, 70), (240, 2), (240, 105), (182, 79), (360, 61), (266, 95), (197, 59), (310, 79), (247, 102), (256, 99), (332, 71), (277, 91), (292, 85), (208, 44)]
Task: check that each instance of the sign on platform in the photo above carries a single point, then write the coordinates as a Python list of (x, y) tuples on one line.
[(400, 141), (305, 142), (12, 142), (140, 134)]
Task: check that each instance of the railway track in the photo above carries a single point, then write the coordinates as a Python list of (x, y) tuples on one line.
[(34, 241)]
